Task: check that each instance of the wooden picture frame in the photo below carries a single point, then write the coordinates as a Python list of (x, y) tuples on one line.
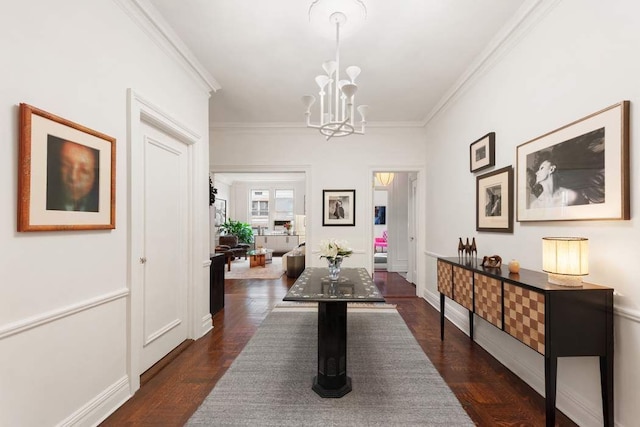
[(577, 172), (66, 177), (339, 207), (494, 201), (482, 153)]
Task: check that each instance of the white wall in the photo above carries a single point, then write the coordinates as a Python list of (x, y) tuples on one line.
[(342, 163), (581, 57), (63, 303)]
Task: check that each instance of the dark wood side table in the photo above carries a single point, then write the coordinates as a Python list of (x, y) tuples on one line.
[(216, 282), (354, 285), (556, 321)]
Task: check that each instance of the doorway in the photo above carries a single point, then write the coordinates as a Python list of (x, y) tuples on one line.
[(395, 195)]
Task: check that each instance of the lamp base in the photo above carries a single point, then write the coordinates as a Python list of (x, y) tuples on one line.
[(564, 280)]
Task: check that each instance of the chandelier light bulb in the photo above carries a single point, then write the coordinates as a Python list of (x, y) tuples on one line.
[(349, 90), (308, 101)]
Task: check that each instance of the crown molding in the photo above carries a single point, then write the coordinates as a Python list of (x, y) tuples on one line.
[(145, 15), (301, 125), (526, 18)]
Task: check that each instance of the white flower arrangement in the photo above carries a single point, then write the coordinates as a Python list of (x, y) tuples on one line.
[(332, 248)]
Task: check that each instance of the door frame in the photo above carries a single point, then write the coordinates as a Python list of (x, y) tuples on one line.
[(420, 224), (140, 110)]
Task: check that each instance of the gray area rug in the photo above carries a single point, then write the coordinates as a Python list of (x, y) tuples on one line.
[(269, 383)]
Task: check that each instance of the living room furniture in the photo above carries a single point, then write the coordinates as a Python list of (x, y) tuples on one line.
[(228, 255), (259, 257), (295, 264), (300, 250), (556, 321), (230, 243), (279, 243), (380, 242), (354, 285), (216, 282)]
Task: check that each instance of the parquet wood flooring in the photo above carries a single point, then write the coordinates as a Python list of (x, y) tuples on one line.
[(490, 393)]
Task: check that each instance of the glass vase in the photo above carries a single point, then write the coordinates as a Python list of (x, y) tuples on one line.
[(334, 267)]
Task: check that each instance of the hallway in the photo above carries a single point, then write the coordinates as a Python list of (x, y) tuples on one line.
[(489, 392)]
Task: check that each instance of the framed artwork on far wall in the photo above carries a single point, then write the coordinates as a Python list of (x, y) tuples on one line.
[(577, 172), (482, 153), (66, 178), (380, 215), (221, 211), (494, 201), (339, 207)]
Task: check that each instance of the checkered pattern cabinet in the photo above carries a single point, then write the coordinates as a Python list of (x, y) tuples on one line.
[(488, 299), (445, 285), (524, 316), (553, 320)]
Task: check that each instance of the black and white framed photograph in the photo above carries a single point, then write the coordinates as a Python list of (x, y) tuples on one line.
[(221, 211), (482, 153), (577, 172), (66, 178), (339, 207), (494, 201), (380, 215)]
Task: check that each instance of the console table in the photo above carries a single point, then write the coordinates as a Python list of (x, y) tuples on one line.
[(555, 321), (354, 285)]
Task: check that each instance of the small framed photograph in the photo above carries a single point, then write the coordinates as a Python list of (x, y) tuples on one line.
[(482, 153), (380, 215), (66, 178), (339, 207), (221, 211), (494, 201), (577, 172)]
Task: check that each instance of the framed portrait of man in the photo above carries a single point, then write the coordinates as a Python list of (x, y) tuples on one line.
[(67, 174)]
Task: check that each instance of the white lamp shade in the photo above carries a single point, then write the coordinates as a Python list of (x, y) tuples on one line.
[(384, 178), (353, 72), (363, 110), (329, 67), (322, 81), (308, 101), (349, 90), (565, 255)]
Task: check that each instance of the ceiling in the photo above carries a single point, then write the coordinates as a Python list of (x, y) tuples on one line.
[(266, 54)]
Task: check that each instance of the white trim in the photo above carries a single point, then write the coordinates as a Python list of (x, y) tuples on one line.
[(146, 16), (302, 125), (529, 15), (627, 313), (206, 325), (141, 110), (94, 411), (51, 316)]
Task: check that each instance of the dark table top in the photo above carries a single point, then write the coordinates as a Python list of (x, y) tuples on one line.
[(354, 285)]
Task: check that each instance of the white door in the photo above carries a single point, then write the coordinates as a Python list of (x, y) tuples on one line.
[(412, 273), (164, 205)]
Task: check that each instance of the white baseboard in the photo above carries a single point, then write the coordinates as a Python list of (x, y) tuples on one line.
[(206, 326), (101, 406)]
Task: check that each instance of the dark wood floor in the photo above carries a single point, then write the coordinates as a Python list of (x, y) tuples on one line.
[(490, 393)]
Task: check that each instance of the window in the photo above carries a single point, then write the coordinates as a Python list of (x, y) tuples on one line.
[(283, 205), (260, 207)]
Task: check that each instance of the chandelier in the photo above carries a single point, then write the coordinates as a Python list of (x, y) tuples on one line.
[(337, 97)]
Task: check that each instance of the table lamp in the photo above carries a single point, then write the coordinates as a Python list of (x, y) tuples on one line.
[(565, 259)]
